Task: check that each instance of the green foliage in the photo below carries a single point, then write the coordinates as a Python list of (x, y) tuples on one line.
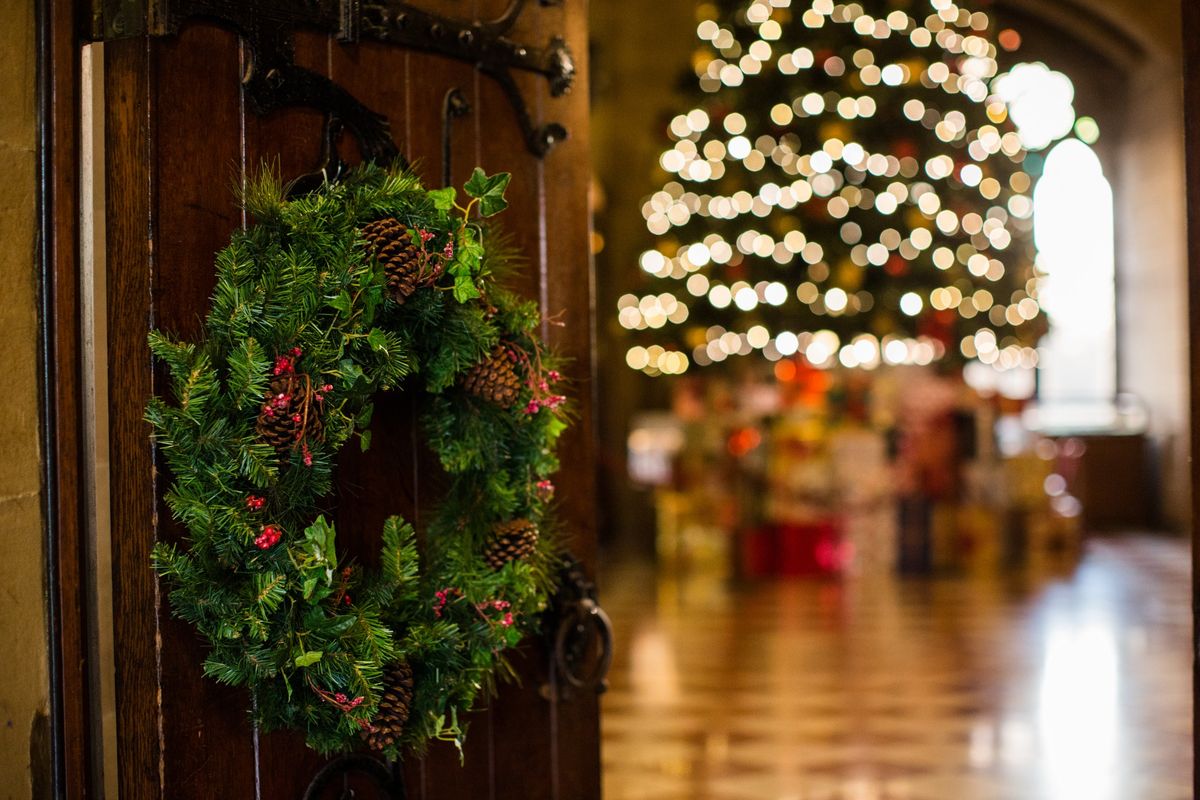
[(293, 619), (489, 191)]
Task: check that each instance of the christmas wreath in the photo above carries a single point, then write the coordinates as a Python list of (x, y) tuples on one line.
[(365, 285)]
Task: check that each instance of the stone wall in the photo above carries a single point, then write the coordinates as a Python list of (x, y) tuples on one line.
[(24, 739)]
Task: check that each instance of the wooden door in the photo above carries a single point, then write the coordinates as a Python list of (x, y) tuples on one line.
[(179, 135)]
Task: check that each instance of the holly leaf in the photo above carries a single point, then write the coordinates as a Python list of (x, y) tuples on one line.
[(443, 199), (489, 190), (309, 658)]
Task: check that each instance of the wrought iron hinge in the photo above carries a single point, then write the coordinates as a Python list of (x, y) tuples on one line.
[(273, 79)]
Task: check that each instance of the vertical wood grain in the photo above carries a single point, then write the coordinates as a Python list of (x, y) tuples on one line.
[(135, 594)]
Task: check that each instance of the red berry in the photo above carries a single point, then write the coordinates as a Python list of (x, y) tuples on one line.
[(268, 538), (296, 351)]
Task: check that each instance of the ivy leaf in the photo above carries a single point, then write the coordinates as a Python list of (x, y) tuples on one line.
[(363, 418), (489, 190), (364, 440), (341, 301), (378, 340), (351, 373), (469, 257), (309, 658), (465, 289), (443, 199), (319, 541)]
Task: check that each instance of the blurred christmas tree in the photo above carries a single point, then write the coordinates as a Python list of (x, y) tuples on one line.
[(848, 187)]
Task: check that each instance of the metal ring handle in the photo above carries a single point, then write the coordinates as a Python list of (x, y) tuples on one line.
[(387, 778), (588, 614)]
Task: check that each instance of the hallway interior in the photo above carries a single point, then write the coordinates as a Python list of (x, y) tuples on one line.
[(1072, 685)]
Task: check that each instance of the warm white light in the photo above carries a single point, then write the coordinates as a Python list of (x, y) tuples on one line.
[(720, 296)]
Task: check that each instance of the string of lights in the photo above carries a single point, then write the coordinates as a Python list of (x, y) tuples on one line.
[(848, 188)]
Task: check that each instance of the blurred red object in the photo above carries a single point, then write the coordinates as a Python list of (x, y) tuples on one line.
[(813, 548), (743, 440), (757, 547)]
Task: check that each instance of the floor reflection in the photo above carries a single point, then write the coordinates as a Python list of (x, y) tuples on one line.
[(1070, 687)]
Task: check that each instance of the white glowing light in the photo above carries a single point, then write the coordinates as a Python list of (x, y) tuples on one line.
[(720, 296), (787, 343), (1039, 103), (911, 304), (775, 293), (746, 299), (739, 147), (895, 351), (1073, 231)]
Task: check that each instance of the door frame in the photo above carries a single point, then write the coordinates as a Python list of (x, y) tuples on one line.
[(59, 38), (1191, 125)]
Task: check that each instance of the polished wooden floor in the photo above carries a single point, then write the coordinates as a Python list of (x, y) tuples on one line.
[(1068, 686)]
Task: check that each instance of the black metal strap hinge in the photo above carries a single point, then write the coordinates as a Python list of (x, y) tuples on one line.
[(273, 80)]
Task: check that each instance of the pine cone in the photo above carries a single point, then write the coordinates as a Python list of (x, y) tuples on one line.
[(393, 246), (281, 417), (394, 707), (494, 379), (510, 541)]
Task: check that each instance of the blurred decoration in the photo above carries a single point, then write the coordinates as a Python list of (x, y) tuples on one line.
[(830, 472), (853, 186)]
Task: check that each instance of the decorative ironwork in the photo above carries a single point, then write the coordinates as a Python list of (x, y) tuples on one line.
[(273, 80), (454, 106), (340, 774), (484, 44), (573, 621)]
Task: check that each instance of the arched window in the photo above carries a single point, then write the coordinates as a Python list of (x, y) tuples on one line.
[(1073, 231)]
